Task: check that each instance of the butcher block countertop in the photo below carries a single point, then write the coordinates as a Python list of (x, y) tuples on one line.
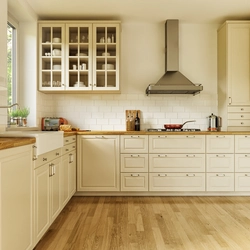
[(12, 142)]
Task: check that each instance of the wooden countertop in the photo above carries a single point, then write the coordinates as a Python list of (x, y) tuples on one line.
[(12, 142)]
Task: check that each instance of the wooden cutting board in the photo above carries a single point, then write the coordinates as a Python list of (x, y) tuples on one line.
[(130, 119)]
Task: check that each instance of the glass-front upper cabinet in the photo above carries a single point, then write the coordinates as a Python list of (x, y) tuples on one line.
[(51, 57), (79, 56), (106, 46)]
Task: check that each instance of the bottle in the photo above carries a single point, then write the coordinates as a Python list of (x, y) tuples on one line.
[(137, 122), (112, 38)]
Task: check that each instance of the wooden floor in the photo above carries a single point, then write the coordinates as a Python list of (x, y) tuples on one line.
[(178, 223)]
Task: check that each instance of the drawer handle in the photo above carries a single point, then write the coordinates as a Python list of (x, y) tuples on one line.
[(163, 156), (190, 175), (67, 140), (247, 175), (162, 175), (190, 136), (45, 159), (242, 116), (99, 137), (57, 153), (74, 139), (190, 156), (220, 136), (73, 146), (242, 123), (66, 149), (220, 175), (221, 156), (242, 109), (135, 175), (162, 136), (135, 155), (246, 155), (246, 136), (135, 136)]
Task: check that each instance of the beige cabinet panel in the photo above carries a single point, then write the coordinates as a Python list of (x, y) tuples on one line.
[(242, 182), (134, 144), (220, 182), (220, 163), (134, 163), (242, 163), (220, 144), (16, 198), (177, 163), (134, 182), (177, 144), (176, 182), (98, 163), (242, 144)]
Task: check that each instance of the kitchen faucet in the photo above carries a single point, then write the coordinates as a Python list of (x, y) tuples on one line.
[(8, 107)]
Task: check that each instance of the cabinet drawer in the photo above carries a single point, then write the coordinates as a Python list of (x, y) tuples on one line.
[(238, 116), (177, 144), (242, 163), (69, 147), (242, 144), (220, 181), (220, 143), (241, 123), (134, 144), (69, 139), (177, 182), (176, 162), (220, 163), (47, 157), (242, 182), (238, 109), (134, 162), (134, 182)]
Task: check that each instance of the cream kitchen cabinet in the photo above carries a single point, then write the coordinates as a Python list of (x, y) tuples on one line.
[(16, 198), (233, 73), (242, 163), (68, 170), (220, 163), (134, 162), (98, 163), (177, 163), (79, 56), (47, 204)]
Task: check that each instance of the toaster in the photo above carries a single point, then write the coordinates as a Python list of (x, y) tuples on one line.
[(53, 123)]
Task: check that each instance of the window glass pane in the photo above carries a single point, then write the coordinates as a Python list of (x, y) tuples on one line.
[(11, 63)]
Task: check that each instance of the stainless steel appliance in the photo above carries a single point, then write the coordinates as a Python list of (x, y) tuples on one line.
[(53, 123), (214, 123)]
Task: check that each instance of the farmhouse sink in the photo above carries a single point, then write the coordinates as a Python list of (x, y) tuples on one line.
[(45, 140)]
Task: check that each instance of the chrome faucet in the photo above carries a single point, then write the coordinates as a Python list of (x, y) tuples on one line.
[(8, 107)]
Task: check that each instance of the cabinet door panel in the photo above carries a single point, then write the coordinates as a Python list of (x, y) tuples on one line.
[(242, 182), (220, 144), (242, 144), (177, 162), (220, 182), (177, 144), (177, 182), (220, 162), (242, 163), (134, 162), (134, 144), (134, 182)]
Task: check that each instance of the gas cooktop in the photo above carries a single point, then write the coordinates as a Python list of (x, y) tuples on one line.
[(173, 130)]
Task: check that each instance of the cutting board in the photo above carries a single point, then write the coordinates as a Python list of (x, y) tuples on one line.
[(130, 119)]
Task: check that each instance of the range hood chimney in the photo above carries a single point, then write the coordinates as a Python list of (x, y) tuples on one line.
[(173, 82)]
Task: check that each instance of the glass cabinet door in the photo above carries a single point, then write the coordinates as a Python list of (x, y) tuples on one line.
[(51, 42), (79, 57), (105, 56)]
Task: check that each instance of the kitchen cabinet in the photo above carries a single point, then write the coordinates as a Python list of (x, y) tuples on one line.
[(47, 204), (68, 170), (177, 163), (233, 74), (98, 163), (134, 162), (79, 56), (220, 162), (242, 163), (16, 198)]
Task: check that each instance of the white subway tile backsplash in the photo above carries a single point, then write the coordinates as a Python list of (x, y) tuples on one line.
[(107, 112)]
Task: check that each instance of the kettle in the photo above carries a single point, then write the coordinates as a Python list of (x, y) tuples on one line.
[(214, 123)]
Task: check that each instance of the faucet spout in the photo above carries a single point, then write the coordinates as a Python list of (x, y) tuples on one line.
[(10, 106)]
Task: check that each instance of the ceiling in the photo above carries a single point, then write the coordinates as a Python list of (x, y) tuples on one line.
[(191, 11)]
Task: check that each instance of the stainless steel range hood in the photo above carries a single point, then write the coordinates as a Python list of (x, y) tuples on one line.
[(173, 82)]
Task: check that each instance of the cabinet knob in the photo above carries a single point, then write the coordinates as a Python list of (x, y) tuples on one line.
[(45, 159)]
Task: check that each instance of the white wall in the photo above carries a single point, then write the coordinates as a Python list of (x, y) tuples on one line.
[(142, 63), (3, 63)]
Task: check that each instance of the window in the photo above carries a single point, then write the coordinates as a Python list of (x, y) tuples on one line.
[(11, 63)]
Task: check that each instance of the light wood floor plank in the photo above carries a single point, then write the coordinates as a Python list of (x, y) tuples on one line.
[(151, 223)]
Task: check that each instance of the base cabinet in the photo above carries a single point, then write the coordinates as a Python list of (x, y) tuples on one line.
[(98, 163), (47, 204), (220, 182), (16, 190)]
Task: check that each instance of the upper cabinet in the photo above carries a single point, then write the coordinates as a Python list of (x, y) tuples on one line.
[(79, 56), (233, 71)]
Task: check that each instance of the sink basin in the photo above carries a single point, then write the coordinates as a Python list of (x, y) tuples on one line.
[(45, 140)]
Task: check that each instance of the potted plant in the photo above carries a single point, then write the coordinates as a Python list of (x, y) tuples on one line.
[(23, 114), (14, 117)]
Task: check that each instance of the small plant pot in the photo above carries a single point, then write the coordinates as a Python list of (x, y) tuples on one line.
[(22, 121)]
